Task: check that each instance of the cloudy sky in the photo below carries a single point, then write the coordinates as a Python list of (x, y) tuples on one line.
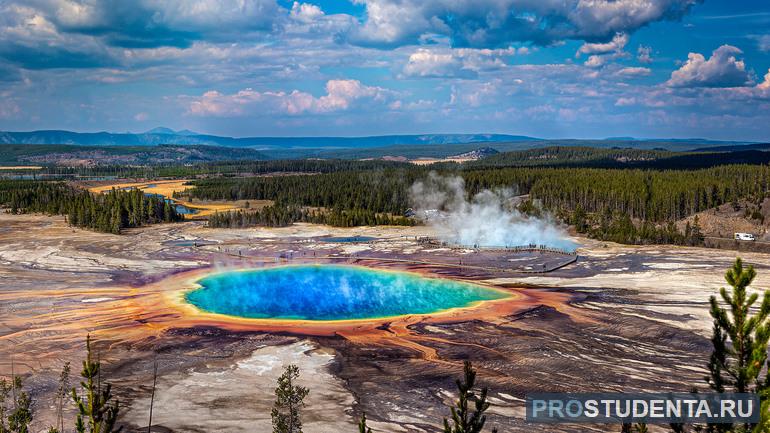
[(546, 68)]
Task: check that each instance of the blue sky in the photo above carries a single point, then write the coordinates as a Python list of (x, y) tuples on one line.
[(546, 68)]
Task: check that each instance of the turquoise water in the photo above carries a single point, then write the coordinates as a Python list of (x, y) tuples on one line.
[(350, 239), (184, 210), (327, 292), (180, 209)]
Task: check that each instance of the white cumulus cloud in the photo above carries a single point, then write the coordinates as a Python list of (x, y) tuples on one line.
[(644, 54), (306, 12), (616, 45), (457, 62), (492, 23), (428, 63), (634, 72), (340, 95), (594, 61), (765, 84), (722, 69)]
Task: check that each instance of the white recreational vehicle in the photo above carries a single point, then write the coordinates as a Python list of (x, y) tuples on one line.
[(745, 237)]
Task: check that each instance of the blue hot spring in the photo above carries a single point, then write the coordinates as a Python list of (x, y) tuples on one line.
[(350, 239), (328, 292)]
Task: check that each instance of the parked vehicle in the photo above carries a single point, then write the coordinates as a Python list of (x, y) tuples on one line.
[(745, 237)]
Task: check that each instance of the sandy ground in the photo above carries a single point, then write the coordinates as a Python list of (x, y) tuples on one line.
[(429, 161), (20, 167), (185, 398), (674, 282), (621, 318)]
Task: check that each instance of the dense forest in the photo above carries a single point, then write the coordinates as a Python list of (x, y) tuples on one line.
[(235, 164), (650, 195), (628, 195), (282, 216), (569, 156), (588, 157), (632, 206), (378, 191), (207, 169), (110, 212)]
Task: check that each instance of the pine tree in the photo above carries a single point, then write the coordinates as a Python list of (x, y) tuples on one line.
[(579, 219), (463, 419), (96, 406), (21, 416), (697, 234), (289, 400), (634, 428), (740, 339), (5, 391)]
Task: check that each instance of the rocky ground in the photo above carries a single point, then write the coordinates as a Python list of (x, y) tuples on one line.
[(621, 318)]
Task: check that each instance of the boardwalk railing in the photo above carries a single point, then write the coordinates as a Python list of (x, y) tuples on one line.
[(426, 240)]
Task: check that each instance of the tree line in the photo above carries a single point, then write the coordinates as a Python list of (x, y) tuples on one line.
[(285, 215), (619, 158), (231, 161), (570, 156), (630, 205), (618, 227), (227, 168), (625, 205), (648, 195), (109, 212), (377, 191)]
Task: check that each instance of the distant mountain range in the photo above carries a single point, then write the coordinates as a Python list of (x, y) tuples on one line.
[(86, 156), (21, 146), (694, 140), (169, 131), (161, 135)]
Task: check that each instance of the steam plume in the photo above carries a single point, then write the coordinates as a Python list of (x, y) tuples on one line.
[(488, 219)]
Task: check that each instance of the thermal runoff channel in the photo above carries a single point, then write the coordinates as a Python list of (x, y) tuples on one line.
[(331, 293)]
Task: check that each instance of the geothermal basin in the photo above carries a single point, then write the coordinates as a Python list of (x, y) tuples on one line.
[(332, 293), (563, 330)]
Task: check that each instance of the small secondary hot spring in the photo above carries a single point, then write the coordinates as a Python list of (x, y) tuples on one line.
[(329, 292)]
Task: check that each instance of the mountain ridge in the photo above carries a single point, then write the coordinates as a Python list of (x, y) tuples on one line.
[(163, 135)]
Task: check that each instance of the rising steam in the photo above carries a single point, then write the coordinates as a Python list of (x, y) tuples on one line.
[(488, 219)]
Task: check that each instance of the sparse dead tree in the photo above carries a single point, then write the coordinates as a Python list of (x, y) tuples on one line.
[(62, 392), (362, 427), (152, 395)]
